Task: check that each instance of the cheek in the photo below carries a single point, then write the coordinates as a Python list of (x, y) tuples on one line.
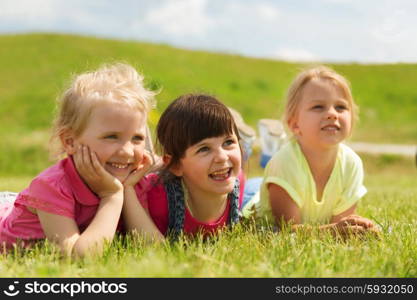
[(236, 157), (103, 151), (102, 154), (310, 122), (139, 151), (347, 119)]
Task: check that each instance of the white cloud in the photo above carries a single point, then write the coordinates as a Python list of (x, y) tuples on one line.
[(296, 55), (267, 12), (249, 13), (27, 11), (341, 1), (53, 15), (181, 18), (393, 26), (299, 30)]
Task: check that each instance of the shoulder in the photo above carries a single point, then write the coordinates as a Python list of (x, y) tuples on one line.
[(288, 159), (289, 151), (349, 159), (54, 173), (51, 179), (50, 191)]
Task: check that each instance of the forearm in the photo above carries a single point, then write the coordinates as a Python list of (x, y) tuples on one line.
[(102, 228), (337, 230), (309, 228), (136, 218)]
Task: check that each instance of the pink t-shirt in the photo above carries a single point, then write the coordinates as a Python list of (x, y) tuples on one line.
[(152, 195), (58, 190)]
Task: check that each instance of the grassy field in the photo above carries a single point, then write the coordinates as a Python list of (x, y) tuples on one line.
[(35, 69), (254, 250)]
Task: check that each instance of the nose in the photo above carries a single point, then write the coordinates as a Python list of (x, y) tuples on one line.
[(221, 155), (332, 113), (127, 149)]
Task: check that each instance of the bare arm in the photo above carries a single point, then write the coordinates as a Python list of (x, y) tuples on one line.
[(284, 209), (283, 206), (65, 233), (135, 218)]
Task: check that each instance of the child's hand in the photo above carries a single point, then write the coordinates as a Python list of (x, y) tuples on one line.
[(354, 225), (94, 175), (144, 166), (356, 220)]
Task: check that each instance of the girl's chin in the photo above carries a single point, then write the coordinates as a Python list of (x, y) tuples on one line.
[(226, 186), (121, 176)]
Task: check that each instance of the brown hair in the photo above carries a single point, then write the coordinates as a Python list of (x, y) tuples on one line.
[(189, 119)]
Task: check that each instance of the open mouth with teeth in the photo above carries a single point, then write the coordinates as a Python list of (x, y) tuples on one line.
[(221, 175), (330, 128), (118, 165)]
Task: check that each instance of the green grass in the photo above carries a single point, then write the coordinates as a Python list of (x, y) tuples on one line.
[(245, 252), (36, 68), (253, 250)]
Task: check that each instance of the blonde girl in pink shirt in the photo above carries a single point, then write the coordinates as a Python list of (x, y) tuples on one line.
[(101, 127)]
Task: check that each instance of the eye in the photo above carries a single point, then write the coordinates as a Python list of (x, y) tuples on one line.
[(111, 136), (229, 142), (203, 149), (317, 107), (138, 138), (341, 107)]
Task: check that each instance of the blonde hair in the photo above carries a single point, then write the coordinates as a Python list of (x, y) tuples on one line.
[(294, 93), (119, 83)]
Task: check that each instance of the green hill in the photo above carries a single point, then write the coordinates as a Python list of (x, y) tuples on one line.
[(36, 67)]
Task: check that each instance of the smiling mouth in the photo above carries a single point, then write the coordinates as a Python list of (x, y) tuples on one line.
[(119, 166), (330, 128), (221, 175)]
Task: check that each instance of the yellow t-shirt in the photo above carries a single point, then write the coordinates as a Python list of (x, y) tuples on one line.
[(289, 169)]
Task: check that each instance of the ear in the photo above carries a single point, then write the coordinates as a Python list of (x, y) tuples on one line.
[(68, 141), (175, 169), (293, 126)]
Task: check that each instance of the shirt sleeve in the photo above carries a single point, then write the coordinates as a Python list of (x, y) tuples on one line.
[(151, 194), (282, 170), (142, 188), (50, 196), (353, 188)]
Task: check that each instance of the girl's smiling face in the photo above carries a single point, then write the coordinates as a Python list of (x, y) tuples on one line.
[(324, 117), (116, 133), (210, 167)]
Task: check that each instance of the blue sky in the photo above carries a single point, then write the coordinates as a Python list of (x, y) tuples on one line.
[(364, 31)]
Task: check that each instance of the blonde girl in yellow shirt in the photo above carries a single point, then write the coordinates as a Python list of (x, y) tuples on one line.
[(314, 178)]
